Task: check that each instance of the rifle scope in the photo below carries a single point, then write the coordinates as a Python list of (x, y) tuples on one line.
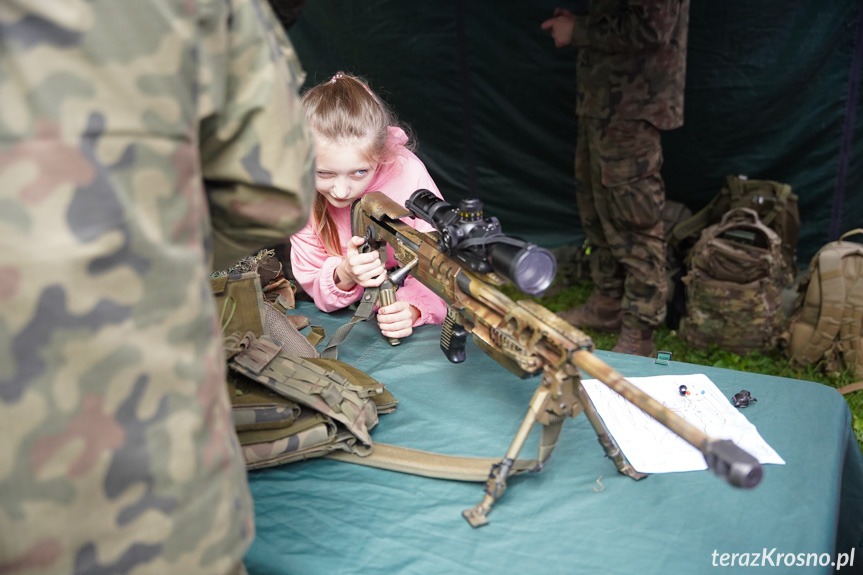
[(481, 244)]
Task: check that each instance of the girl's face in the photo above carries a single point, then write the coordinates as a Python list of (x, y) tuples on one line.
[(342, 174)]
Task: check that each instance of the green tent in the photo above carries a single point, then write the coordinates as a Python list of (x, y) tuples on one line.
[(773, 92)]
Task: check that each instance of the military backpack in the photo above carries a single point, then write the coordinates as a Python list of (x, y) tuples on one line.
[(734, 285), (773, 201), (825, 328)]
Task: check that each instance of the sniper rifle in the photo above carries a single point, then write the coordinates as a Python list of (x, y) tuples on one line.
[(464, 262)]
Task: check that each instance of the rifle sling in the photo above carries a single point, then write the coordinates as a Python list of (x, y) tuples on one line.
[(427, 464), (364, 311)]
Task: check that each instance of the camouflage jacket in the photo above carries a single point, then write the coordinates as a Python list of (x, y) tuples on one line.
[(136, 139), (631, 60)]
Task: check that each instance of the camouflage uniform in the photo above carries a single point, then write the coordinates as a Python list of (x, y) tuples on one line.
[(118, 453), (630, 72)]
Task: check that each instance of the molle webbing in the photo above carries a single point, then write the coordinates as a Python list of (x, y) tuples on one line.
[(313, 386)]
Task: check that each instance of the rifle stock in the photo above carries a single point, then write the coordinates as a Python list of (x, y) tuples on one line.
[(527, 339)]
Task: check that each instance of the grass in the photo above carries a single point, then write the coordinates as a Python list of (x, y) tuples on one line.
[(772, 363)]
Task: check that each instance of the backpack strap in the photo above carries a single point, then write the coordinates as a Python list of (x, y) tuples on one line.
[(832, 283), (699, 220), (735, 186), (849, 328), (783, 191), (850, 343)]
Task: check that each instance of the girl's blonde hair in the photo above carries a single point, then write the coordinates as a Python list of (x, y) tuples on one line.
[(344, 110)]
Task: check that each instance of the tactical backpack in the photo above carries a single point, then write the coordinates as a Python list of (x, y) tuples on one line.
[(773, 201), (734, 285), (827, 321)]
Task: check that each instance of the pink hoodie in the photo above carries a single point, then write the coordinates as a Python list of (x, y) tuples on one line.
[(313, 266)]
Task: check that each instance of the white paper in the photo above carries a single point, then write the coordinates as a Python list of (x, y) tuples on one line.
[(651, 447)]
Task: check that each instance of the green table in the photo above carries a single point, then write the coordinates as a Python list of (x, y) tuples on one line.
[(330, 517)]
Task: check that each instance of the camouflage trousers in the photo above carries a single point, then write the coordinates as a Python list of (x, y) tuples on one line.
[(620, 198)]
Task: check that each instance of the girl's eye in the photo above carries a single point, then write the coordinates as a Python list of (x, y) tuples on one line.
[(361, 173), (324, 174)]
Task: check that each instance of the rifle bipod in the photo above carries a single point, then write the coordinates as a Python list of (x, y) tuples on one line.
[(558, 396)]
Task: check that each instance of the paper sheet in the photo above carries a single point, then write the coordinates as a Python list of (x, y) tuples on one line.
[(651, 447)]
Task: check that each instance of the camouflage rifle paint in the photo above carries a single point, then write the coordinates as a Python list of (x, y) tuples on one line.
[(138, 141)]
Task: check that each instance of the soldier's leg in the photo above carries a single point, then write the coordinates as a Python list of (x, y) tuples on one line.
[(606, 272), (602, 310), (630, 155)]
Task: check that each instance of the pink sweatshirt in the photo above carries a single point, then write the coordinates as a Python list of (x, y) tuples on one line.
[(313, 266)]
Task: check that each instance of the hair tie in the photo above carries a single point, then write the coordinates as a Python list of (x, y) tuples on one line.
[(339, 75)]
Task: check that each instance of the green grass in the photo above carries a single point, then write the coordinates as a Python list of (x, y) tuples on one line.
[(773, 363)]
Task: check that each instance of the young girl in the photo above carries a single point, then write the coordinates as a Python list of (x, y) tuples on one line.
[(358, 149)]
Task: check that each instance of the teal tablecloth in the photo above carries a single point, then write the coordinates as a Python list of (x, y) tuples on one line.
[(329, 517)]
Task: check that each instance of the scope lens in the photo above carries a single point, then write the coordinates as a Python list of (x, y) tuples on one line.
[(531, 268)]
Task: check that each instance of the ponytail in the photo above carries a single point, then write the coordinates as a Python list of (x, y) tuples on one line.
[(344, 109)]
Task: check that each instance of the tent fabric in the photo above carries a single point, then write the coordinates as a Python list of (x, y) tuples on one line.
[(773, 92), (578, 515)]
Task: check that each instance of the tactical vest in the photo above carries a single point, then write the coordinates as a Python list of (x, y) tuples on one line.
[(288, 404), (734, 286)]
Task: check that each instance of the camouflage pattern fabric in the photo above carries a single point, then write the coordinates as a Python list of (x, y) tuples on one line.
[(774, 202), (630, 72), (118, 452), (264, 416), (256, 408), (315, 435), (734, 289), (631, 62), (288, 404), (621, 198), (323, 390)]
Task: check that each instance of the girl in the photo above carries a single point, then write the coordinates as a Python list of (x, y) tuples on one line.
[(358, 149)]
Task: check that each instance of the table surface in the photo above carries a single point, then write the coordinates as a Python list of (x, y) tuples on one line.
[(579, 514)]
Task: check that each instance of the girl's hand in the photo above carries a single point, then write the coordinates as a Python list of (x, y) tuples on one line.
[(397, 319), (366, 270)]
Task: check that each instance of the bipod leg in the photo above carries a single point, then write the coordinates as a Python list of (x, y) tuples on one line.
[(495, 485), (547, 443), (612, 450), (552, 402)]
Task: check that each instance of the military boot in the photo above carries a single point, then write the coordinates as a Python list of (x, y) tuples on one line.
[(600, 312), (635, 342)]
